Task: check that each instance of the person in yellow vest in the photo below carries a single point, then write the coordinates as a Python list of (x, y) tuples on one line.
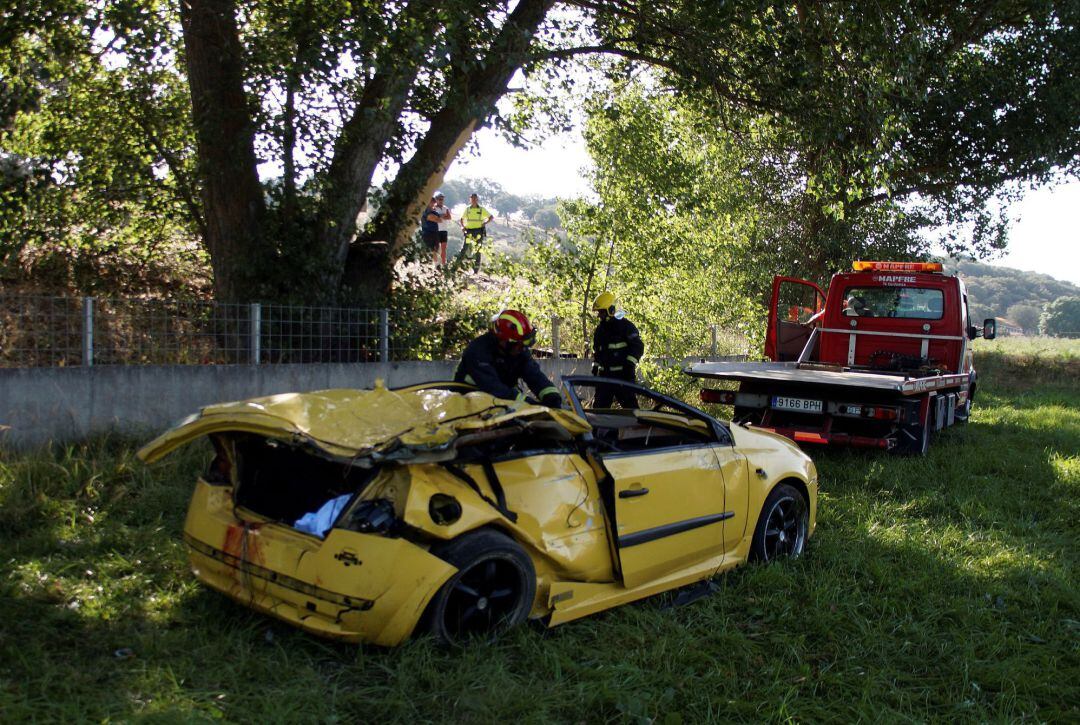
[(474, 227)]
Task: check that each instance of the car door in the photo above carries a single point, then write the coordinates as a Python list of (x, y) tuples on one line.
[(665, 467), (795, 302), (669, 509)]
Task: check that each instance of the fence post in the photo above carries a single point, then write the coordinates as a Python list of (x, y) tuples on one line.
[(88, 331), (712, 331), (555, 346), (384, 335), (255, 341)]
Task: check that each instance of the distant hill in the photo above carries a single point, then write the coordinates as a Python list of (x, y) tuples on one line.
[(1010, 293)]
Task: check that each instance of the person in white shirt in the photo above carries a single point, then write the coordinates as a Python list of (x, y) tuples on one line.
[(439, 256)]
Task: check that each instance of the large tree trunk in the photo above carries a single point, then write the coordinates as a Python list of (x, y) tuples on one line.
[(476, 93), (363, 139), (231, 193)]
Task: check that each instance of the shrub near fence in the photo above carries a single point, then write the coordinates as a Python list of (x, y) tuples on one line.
[(38, 331)]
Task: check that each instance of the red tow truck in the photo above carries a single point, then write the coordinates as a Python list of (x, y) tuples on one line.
[(882, 360)]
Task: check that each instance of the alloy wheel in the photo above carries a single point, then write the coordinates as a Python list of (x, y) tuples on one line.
[(483, 597), (785, 528)]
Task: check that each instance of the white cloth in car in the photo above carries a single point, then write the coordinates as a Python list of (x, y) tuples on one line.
[(320, 521)]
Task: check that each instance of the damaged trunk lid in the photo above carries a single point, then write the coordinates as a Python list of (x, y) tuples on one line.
[(425, 423)]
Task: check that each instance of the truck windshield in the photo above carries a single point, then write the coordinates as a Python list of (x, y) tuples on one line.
[(903, 302)]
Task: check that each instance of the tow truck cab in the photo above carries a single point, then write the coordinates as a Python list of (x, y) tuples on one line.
[(881, 359), (883, 316)]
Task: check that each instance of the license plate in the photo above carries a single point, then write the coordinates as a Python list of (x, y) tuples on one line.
[(799, 405)]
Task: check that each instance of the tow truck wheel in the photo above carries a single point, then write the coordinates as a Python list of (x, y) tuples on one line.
[(963, 413), (924, 442)]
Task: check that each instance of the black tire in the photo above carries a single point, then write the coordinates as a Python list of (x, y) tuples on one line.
[(963, 413), (492, 591), (783, 526), (967, 407)]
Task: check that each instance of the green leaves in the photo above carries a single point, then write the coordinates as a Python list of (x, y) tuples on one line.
[(1061, 318), (106, 139)]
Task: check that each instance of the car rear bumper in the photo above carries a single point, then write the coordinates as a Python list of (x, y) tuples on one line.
[(350, 586)]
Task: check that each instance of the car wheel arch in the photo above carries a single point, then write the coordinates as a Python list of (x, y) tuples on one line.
[(758, 499), (499, 527), (795, 482)]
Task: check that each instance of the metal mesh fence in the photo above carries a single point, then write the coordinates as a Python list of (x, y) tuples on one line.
[(39, 331)]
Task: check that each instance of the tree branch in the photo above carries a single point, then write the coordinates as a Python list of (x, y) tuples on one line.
[(477, 92)]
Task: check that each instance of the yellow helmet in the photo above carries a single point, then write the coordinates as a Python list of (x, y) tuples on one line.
[(604, 301)]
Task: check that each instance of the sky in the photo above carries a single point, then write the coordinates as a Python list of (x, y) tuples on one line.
[(1044, 236)]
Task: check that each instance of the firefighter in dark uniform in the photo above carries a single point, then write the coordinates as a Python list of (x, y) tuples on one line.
[(617, 348), (498, 359)]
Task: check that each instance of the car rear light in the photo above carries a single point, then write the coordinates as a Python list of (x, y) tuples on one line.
[(723, 397), (869, 411)]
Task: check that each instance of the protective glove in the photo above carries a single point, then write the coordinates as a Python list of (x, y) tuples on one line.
[(552, 400)]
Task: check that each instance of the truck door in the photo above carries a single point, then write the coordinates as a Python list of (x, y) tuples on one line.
[(794, 303)]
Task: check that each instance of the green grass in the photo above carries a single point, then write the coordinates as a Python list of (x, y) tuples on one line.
[(943, 588)]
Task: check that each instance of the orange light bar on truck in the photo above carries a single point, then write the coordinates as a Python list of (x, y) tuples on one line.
[(861, 266)]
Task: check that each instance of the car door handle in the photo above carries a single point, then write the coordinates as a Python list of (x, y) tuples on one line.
[(631, 492)]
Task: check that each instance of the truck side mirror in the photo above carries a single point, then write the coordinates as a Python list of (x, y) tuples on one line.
[(989, 331), (972, 332)]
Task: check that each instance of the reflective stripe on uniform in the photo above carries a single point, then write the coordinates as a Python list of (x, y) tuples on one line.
[(614, 369), (549, 389), (520, 396), (616, 345), (473, 217), (632, 359), (469, 380)]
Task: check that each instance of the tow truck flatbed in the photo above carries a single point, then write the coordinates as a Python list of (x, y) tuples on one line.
[(794, 372)]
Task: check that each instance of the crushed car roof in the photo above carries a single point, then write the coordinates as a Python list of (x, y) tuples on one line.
[(421, 423)]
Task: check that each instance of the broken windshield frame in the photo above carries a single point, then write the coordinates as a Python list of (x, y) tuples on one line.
[(659, 403)]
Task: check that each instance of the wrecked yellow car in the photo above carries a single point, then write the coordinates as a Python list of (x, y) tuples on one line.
[(364, 515)]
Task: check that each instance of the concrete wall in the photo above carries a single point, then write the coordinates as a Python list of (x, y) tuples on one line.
[(64, 404)]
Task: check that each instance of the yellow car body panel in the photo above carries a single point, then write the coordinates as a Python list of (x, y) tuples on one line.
[(555, 499), (590, 551), (746, 491), (350, 586), (775, 458)]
